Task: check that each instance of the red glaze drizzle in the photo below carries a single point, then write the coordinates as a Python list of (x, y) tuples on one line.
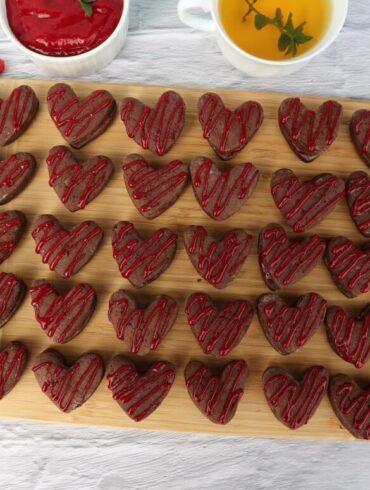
[(74, 113), (343, 330), (303, 192), (151, 123), (134, 254), (328, 122), (359, 189), (350, 265), (8, 224), (74, 174), (209, 390), (294, 324), (56, 244), (153, 186), (286, 260), (364, 119), (12, 171), (356, 406), (130, 388), (62, 384), (226, 324), (160, 315), (11, 362), (301, 399), (223, 188), (62, 306), (19, 104), (8, 285), (214, 265)]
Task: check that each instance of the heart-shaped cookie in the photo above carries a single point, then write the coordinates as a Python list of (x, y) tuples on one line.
[(228, 132), (15, 173), (218, 328), (358, 199), (154, 190), (217, 395), (283, 261), (80, 121), (309, 133), (288, 328), (221, 193), (12, 292), (16, 113), (141, 261), (360, 132), (66, 252), (12, 224), (218, 261), (141, 328), (68, 387), (349, 265), (293, 401), (304, 204), (62, 317), (154, 129), (13, 360), (77, 183), (351, 405), (139, 393), (349, 335)]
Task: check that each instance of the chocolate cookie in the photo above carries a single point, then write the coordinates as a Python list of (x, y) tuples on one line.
[(358, 199), (219, 328), (360, 133), (284, 262), (154, 129), (349, 265), (139, 393), (349, 336), (304, 204), (228, 132), (12, 224), (16, 113), (141, 328), (309, 133), (80, 121), (66, 252), (12, 292), (62, 317), (216, 395), (221, 193), (141, 261), (293, 401), (15, 174), (77, 183), (288, 328), (68, 387), (218, 261), (351, 405), (13, 359), (154, 190)]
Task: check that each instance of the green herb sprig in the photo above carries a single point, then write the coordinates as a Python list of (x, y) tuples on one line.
[(87, 6), (290, 37)]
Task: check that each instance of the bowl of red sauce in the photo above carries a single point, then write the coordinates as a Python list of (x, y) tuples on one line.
[(67, 37)]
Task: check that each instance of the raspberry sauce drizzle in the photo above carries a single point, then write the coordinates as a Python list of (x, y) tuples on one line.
[(364, 119), (60, 308), (12, 171), (359, 190), (130, 388), (8, 284), (356, 406), (11, 364), (7, 225), (302, 399), (18, 105), (223, 188)]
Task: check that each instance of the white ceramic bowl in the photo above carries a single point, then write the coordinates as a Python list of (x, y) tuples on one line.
[(81, 64), (245, 62)]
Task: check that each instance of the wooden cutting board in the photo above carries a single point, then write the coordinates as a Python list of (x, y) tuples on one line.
[(269, 152)]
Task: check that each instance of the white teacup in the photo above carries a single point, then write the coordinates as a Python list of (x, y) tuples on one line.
[(245, 62)]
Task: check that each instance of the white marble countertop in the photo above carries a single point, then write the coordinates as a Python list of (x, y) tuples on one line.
[(162, 51)]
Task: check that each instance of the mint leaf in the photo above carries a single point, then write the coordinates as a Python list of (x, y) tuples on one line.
[(87, 6), (284, 42), (260, 21)]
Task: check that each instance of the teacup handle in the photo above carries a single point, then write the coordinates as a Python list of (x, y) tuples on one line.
[(192, 19)]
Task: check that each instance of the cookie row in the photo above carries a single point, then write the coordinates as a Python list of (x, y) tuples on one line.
[(216, 393), (309, 133)]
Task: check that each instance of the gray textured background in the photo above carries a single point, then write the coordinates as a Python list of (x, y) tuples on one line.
[(162, 51)]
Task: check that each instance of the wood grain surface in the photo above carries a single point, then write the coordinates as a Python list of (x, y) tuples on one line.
[(269, 152)]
